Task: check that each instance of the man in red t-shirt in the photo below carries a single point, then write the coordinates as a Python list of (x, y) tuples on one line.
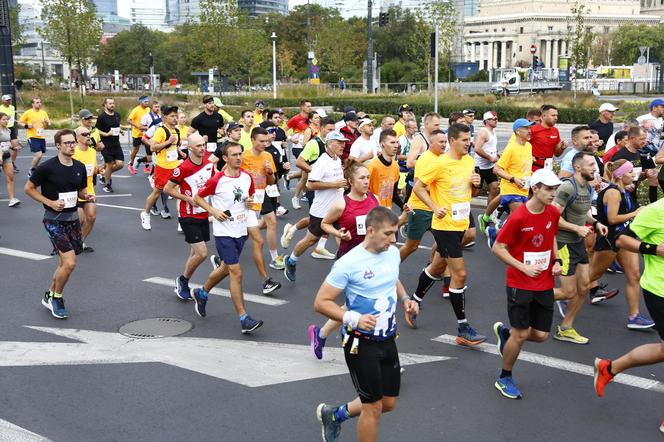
[(185, 182), (545, 139), (527, 244), (299, 123)]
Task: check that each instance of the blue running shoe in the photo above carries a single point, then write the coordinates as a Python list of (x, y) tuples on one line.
[(491, 235), (317, 343), (249, 324), (639, 322), (562, 307), (55, 305), (615, 268), (468, 336), (330, 428), (289, 269), (508, 388), (201, 299), (503, 334), (182, 289)]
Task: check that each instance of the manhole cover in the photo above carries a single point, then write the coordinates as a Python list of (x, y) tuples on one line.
[(155, 328)]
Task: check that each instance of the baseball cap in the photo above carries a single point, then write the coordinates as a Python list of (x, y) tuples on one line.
[(6, 97), (84, 114), (143, 99), (361, 115), (607, 107), (233, 125), (335, 135), (350, 116), (489, 115), (348, 109), (260, 103), (280, 110), (521, 122), (544, 176), (468, 111), (656, 102), (365, 121), (217, 102), (168, 109), (403, 108), (321, 112), (267, 123)]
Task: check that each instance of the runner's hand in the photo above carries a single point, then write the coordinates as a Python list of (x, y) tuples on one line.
[(602, 229), (57, 205), (286, 165), (366, 322), (557, 269), (268, 168), (220, 216), (475, 179), (173, 139), (440, 212), (344, 234), (518, 182), (412, 307), (582, 231), (341, 184), (90, 198), (406, 208), (531, 271)]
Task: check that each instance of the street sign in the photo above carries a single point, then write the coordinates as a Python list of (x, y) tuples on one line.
[(641, 60), (533, 49)]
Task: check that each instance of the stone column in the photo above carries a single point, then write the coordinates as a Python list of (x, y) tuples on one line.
[(564, 47), (480, 56), (471, 47), (547, 55), (491, 56), (555, 53), (503, 54)]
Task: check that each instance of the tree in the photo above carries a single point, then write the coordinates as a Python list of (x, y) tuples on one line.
[(628, 38), (580, 40), (443, 14), (129, 51), (16, 27)]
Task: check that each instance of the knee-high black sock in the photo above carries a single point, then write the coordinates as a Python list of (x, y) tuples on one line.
[(424, 284), (652, 193), (458, 300), (142, 160)]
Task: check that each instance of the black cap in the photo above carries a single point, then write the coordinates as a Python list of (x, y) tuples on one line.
[(233, 125), (468, 111), (167, 109), (350, 116), (267, 123), (348, 109)]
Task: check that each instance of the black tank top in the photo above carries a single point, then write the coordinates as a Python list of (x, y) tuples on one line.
[(627, 205)]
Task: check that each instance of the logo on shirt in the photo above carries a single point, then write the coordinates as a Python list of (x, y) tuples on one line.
[(537, 240), (527, 229), (237, 194), (548, 225), (176, 172), (368, 274)]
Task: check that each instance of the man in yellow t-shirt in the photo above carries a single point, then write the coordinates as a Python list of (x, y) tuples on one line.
[(225, 115), (137, 131), (259, 113), (165, 143), (87, 121), (247, 122), (384, 170), (8, 108), (405, 113), (86, 154), (452, 184), (35, 121)]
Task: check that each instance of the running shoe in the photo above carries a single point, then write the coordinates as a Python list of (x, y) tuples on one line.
[(277, 263), (102, 179), (30, 172), (661, 427), (508, 388), (180, 228), (289, 269), (87, 248), (330, 427), (468, 336), (469, 245), (601, 375), (602, 295), (269, 286), (148, 169), (562, 307), (132, 169), (569, 335), (14, 202), (201, 299), (165, 214), (145, 221), (55, 305), (15, 168), (281, 211), (403, 231), (322, 253), (615, 268), (482, 223), (154, 211), (215, 261), (295, 201), (182, 288), (491, 235), (107, 188), (317, 343), (287, 236), (502, 334), (411, 319), (249, 324), (639, 322)]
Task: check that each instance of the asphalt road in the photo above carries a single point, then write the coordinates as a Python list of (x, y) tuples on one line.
[(78, 380)]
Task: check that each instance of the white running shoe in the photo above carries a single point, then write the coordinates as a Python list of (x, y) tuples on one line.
[(322, 254), (14, 202), (145, 221), (281, 211), (296, 203), (179, 228), (287, 236)]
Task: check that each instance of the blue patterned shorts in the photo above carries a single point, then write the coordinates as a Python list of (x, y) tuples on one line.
[(65, 235)]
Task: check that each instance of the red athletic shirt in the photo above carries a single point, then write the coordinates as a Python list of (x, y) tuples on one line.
[(298, 123), (531, 236), (609, 154), (192, 178), (544, 141), (348, 220)]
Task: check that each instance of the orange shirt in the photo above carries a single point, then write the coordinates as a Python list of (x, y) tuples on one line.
[(254, 165), (382, 179)]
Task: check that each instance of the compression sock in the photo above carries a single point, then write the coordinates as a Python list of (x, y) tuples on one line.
[(292, 258), (446, 283), (164, 200), (458, 300), (424, 284), (57, 295), (341, 413), (505, 373)]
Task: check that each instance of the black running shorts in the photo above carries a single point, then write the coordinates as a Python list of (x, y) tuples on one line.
[(374, 369), (528, 308)]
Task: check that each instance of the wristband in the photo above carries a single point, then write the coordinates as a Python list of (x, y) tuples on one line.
[(351, 319), (512, 180), (404, 299), (648, 249), (558, 260), (595, 225)]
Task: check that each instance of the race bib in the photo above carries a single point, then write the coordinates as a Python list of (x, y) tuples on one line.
[(5, 145), (89, 169), (211, 147), (115, 131), (460, 211), (171, 155), (11, 122), (272, 191), (238, 217), (40, 132), (361, 224), (637, 172), (538, 259), (184, 144), (70, 199), (526, 182), (548, 163), (259, 196)]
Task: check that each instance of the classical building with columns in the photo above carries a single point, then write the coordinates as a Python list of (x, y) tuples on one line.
[(503, 31)]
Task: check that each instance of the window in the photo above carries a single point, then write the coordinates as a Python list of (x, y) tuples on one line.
[(520, 48), (521, 28), (549, 28)]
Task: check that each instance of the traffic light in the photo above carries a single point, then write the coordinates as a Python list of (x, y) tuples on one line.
[(383, 19)]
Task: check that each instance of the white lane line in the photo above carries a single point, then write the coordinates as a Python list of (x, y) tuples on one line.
[(259, 299), (115, 195), (13, 433), (419, 247), (120, 207), (22, 254), (562, 364), (122, 176)]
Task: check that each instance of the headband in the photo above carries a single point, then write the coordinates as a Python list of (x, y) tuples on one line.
[(622, 170)]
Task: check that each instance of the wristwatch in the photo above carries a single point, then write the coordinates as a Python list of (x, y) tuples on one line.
[(512, 180)]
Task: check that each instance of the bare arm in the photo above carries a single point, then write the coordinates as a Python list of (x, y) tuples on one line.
[(414, 152), (319, 185), (612, 197), (628, 243), (333, 214), (423, 194), (480, 139), (31, 190), (173, 190), (302, 164)]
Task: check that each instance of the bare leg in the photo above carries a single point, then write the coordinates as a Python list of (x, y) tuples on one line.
[(197, 256)]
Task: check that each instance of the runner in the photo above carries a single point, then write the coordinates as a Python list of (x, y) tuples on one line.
[(363, 149), (87, 121), (165, 143), (545, 139), (8, 108), (87, 210), (604, 124), (7, 148), (649, 228), (384, 170), (247, 122), (486, 157), (208, 124), (574, 201), (404, 113), (369, 279), (327, 180), (137, 129), (184, 134), (35, 121), (62, 180), (230, 192), (451, 184), (259, 112), (349, 130), (233, 133), (184, 184), (387, 123), (420, 144), (405, 142), (527, 244), (280, 160), (108, 124)]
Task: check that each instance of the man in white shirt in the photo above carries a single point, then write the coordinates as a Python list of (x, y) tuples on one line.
[(386, 123), (364, 149)]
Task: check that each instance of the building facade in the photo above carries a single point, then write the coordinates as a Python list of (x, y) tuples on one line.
[(258, 7), (503, 31)]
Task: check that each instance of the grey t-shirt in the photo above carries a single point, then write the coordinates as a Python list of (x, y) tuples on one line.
[(577, 211)]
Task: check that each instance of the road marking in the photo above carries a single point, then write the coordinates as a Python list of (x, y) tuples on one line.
[(562, 364), (259, 299), (22, 254), (13, 433), (250, 363), (120, 207), (419, 247), (115, 195), (122, 176)]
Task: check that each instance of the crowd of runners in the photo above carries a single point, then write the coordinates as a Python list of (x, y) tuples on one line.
[(558, 214)]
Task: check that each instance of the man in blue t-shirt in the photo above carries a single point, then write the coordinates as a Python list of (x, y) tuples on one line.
[(369, 279)]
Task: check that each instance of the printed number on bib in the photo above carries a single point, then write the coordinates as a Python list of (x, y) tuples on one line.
[(548, 163), (538, 259), (361, 224), (171, 155), (69, 198), (526, 182), (239, 217), (115, 131), (460, 211), (211, 147), (636, 172), (272, 191), (40, 132), (89, 169), (5, 145), (259, 196)]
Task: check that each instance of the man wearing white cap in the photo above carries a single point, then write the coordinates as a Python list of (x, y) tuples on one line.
[(527, 244), (364, 149), (8, 108), (604, 125)]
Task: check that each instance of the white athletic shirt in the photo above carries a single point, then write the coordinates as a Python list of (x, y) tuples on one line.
[(362, 147), (490, 148), (325, 170)]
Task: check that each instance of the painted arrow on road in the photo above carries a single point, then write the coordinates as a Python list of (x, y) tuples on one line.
[(250, 363)]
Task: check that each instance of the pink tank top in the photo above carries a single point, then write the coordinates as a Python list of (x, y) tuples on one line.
[(349, 221)]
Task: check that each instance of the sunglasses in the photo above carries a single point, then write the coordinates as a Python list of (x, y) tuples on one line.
[(272, 130)]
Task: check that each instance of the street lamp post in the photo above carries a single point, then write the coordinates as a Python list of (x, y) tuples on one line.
[(274, 65)]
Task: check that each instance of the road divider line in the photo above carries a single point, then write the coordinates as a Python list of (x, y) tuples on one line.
[(419, 247), (259, 299), (115, 195), (113, 206), (11, 432), (562, 364), (22, 254)]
